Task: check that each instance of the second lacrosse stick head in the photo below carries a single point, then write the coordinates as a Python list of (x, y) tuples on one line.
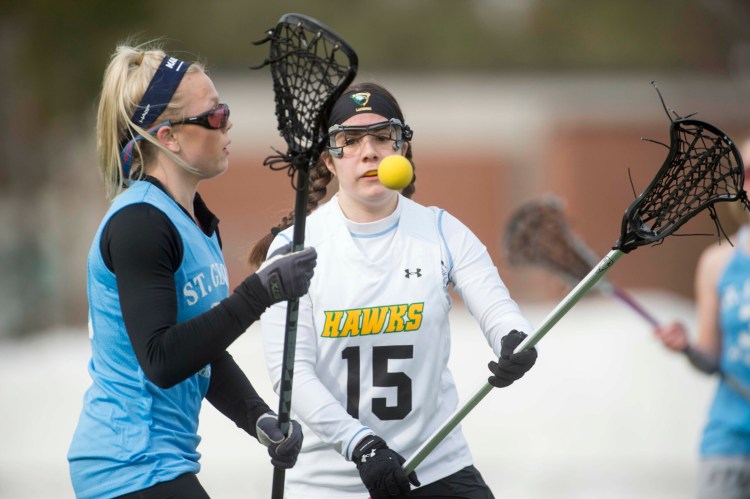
[(538, 234), (703, 167)]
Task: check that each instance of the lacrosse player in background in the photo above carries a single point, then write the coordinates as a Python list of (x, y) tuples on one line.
[(722, 291), (160, 312), (371, 381)]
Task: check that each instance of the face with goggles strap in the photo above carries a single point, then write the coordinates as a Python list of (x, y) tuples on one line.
[(200, 136), (348, 139)]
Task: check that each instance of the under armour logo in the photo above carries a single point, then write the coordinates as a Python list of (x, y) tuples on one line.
[(370, 454), (408, 273)]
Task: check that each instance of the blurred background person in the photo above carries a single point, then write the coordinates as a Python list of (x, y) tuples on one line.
[(722, 291)]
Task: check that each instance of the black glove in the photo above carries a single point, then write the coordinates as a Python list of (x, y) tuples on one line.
[(511, 366), (287, 275), (380, 469), (283, 450)]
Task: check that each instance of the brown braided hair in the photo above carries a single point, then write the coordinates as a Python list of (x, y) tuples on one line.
[(320, 177)]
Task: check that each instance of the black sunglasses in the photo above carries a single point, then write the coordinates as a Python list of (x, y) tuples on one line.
[(214, 119)]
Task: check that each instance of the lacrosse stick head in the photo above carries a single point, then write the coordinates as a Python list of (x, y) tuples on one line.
[(703, 168), (538, 234), (311, 66)]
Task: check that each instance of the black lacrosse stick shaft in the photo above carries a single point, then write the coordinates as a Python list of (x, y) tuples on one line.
[(311, 66), (290, 335)]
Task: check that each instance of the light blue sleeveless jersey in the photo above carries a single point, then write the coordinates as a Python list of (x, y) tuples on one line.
[(132, 434), (727, 432)]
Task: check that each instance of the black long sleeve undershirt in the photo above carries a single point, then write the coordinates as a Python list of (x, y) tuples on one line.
[(143, 249), (233, 395)]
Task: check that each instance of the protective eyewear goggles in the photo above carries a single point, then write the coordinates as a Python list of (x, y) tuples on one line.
[(351, 137), (214, 119)]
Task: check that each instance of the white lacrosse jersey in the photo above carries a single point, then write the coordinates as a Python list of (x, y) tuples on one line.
[(373, 342)]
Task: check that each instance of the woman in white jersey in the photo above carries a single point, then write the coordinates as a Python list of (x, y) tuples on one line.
[(161, 314), (722, 292), (371, 381)]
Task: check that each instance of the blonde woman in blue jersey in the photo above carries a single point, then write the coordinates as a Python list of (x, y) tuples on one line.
[(722, 292), (161, 315), (371, 381)]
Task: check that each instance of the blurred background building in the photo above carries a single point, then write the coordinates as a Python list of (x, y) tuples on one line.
[(509, 99)]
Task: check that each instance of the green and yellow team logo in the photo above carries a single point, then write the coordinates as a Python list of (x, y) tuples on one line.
[(372, 320), (360, 102), (360, 98)]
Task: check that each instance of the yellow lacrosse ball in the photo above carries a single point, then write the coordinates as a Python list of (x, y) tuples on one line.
[(395, 172)]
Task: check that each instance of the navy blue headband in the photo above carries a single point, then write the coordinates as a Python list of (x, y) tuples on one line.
[(160, 90), (352, 103)]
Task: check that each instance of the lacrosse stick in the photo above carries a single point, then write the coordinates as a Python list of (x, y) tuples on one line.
[(703, 167), (311, 66), (538, 234)]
